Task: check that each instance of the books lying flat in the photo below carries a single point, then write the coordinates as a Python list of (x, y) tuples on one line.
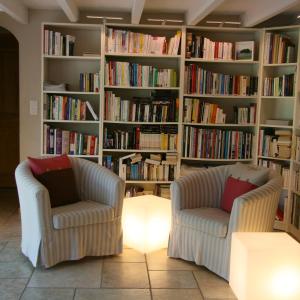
[(54, 87), (279, 122)]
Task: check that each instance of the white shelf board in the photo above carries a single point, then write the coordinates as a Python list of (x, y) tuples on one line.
[(219, 96), (274, 158), (69, 57), (221, 61), (71, 121), (138, 150), (140, 87), (71, 92), (149, 181), (108, 54), (218, 125), (144, 123), (281, 65), (217, 159), (276, 126), (279, 97)]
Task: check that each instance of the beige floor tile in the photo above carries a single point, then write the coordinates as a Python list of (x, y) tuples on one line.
[(128, 255), (125, 275), (11, 289), (78, 274), (213, 286), (159, 260), (112, 294), (15, 269), (176, 294), (11, 253), (172, 279), (47, 294)]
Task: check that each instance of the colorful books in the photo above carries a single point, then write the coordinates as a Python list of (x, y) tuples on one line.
[(216, 143), (123, 41), (56, 43), (279, 86), (118, 73), (143, 138), (279, 49), (140, 109), (60, 141), (201, 81), (89, 82), (245, 115)]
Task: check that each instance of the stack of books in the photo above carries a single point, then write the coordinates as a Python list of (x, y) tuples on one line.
[(89, 82), (140, 109), (245, 115), (124, 41), (201, 81), (154, 168), (196, 111), (67, 108), (216, 143), (201, 47), (142, 138), (279, 86), (163, 190), (55, 43), (119, 73), (278, 49), (275, 145), (60, 141)]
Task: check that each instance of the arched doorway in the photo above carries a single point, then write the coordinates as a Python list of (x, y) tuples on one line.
[(9, 108)]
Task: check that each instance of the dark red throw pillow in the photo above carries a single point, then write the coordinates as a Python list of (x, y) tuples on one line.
[(233, 189), (57, 175)]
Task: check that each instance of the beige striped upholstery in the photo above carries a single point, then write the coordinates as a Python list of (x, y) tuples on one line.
[(202, 192), (81, 214), (91, 227)]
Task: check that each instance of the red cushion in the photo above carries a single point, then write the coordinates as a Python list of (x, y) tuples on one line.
[(40, 166), (233, 189)]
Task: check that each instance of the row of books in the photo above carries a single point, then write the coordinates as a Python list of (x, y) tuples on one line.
[(149, 137), (67, 108), (277, 167), (135, 167), (296, 180), (296, 211), (216, 143), (161, 190), (202, 47), (119, 73), (140, 109), (297, 149), (275, 145), (124, 41), (56, 43), (279, 86), (245, 115), (60, 141), (89, 82), (201, 81), (278, 49)]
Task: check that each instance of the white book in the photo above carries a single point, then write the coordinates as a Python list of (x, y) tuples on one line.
[(91, 110)]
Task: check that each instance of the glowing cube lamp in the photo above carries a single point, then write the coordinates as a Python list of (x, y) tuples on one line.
[(265, 266), (146, 222)]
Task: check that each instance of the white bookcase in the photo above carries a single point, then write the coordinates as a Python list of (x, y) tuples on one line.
[(92, 38)]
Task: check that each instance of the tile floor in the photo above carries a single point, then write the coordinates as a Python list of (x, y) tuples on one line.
[(131, 275)]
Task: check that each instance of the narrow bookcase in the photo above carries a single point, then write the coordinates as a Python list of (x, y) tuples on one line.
[(91, 55)]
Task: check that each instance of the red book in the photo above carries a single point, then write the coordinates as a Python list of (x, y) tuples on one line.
[(92, 145), (236, 152), (216, 49), (137, 137)]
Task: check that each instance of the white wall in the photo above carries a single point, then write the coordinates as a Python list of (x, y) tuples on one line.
[(29, 37)]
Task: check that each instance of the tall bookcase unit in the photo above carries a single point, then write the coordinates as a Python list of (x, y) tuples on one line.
[(93, 55)]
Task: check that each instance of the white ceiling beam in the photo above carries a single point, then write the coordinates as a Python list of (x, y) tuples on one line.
[(70, 9), (15, 9), (200, 9), (137, 10), (265, 10)]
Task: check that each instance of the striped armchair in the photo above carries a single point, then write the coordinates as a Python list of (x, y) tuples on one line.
[(201, 231), (91, 227)]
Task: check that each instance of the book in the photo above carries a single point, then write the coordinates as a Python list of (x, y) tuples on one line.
[(89, 82), (91, 110), (279, 86), (244, 50), (279, 122)]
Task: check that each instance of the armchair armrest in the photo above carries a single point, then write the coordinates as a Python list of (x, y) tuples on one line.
[(203, 188), (34, 202), (97, 183), (256, 210)]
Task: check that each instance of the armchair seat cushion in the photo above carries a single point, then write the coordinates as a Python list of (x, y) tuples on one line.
[(81, 213), (213, 221)]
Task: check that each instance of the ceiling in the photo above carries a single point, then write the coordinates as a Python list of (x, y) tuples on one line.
[(192, 12)]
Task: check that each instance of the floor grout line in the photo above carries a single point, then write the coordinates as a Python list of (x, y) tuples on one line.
[(193, 272)]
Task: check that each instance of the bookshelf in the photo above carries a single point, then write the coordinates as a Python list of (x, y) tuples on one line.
[(91, 55)]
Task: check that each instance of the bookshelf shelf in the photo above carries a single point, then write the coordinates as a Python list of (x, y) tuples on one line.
[(71, 93), (139, 151), (163, 56), (278, 97), (142, 123), (71, 121), (217, 160), (296, 192), (274, 158), (219, 125), (281, 65), (140, 87), (73, 57), (275, 126), (219, 96), (222, 61)]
